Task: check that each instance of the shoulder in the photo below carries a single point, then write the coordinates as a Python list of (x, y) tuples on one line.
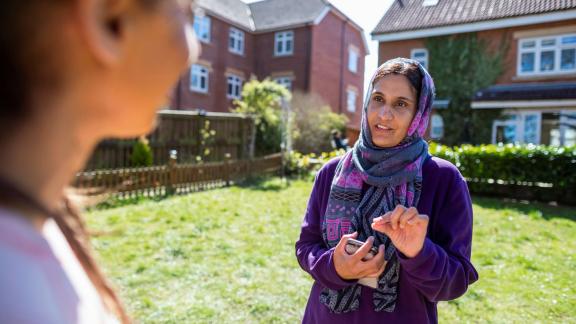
[(329, 169), (437, 168)]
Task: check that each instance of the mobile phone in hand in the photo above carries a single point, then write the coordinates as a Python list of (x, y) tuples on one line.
[(353, 245)]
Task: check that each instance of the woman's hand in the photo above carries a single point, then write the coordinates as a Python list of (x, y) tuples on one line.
[(405, 227), (351, 266)]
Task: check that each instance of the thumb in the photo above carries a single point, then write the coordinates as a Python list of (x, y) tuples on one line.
[(343, 240)]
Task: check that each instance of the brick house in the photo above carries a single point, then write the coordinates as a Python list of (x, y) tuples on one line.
[(536, 92), (305, 45)]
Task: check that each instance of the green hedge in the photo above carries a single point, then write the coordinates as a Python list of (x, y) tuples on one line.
[(549, 170)]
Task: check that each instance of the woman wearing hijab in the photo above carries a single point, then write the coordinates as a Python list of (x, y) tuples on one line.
[(391, 194)]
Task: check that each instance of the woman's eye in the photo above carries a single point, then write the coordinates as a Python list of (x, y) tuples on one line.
[(378, 98), (401, 104)]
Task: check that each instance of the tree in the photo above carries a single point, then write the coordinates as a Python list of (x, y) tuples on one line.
[(141, 153), (460, 66), (313, 122), (262, 101)]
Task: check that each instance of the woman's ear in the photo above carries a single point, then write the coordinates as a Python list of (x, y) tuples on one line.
[(101, 25)]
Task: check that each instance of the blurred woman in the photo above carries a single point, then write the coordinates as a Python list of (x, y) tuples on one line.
[(72, 72)]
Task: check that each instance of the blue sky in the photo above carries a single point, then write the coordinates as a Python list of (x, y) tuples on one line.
[(366, 13)]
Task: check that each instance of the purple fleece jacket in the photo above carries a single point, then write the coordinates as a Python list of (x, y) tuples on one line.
[(442, 270)]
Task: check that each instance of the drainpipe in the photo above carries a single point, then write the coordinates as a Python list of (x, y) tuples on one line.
[(342, 43)]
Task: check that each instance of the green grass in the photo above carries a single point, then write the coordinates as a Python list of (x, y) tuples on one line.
[(227, 256)]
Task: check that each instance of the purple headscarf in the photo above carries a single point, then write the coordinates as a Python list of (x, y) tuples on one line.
[(390, 177)]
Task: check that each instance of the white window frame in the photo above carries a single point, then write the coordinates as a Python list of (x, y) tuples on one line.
[(538, 49), (433, 134), (353, 57), (285, 81), (202, 28), (236, 36), (519, 122), (424, 51), (236, 82), (351, 98), (284, 37), (200, 72)]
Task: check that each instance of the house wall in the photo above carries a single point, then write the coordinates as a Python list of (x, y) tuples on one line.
[(330, 76), (220, 61)]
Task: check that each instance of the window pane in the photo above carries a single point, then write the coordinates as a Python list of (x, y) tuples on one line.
[(569, 40), (527, 63), (529, 44), (548, 42), (279, 47), (289, 46), (530, 129), (505, 134), (547, 61), (568, 59)]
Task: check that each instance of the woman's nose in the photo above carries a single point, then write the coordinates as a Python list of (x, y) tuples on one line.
[(385, 112)]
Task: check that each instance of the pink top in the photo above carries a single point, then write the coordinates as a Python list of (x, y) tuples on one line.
[(41, 280)]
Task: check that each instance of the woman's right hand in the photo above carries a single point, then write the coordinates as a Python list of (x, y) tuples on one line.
[(351, 266)]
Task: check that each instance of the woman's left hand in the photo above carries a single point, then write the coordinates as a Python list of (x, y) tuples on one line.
[(405, 227)]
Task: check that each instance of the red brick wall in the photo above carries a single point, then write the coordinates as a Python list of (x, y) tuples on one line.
[(216, 52), (394, 49), (268, 64), (330, 76)]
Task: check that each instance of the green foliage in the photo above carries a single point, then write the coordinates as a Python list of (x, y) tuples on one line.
[(207, 136), (515, 164), (141, 153), (305, 165), (460, 66), (227, 256), (312, 124), (262, 101)]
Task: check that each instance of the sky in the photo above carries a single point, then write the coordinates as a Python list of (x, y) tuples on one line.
[(366, 13)]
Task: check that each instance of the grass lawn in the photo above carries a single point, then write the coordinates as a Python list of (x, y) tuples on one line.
[(227, 256)]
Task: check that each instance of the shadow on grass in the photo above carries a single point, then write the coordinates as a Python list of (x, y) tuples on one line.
[(536, 209), (265, 183)]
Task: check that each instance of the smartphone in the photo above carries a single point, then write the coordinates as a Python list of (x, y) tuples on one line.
[(353, 245)]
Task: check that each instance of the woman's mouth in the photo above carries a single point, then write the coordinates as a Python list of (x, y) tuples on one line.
[(383, 129)]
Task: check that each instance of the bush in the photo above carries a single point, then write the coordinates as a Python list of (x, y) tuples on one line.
[(141, 153), (261, 100), (514, 164), (313, 122), (305, 165)]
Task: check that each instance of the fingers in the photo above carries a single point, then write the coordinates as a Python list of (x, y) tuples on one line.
[(375, 266), (419, 219), (341, 246), (364, 249), (408, 214)]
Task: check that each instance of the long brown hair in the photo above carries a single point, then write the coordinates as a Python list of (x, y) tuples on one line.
[(29, 63)]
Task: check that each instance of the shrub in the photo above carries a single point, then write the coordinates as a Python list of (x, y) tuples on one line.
[(141, 153), (514, 164)]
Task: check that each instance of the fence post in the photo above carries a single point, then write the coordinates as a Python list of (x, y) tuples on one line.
[(227, 169), (170, 186)]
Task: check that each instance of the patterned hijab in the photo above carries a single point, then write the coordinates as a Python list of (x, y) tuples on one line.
[(390, 176)]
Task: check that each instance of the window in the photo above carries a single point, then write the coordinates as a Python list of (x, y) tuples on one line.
[(521, 127), (202, 28), (234, 87), (547, 55), (420, 55), (199, 78), (429, 3), (351, 100), (284, 81), (353, 60), (284, 43), (236, 41), (437, 127)]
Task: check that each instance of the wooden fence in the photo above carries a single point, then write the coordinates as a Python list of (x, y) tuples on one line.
[(173, 178), (210, 136)]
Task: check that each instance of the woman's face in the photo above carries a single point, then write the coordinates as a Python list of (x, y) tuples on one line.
[(157, 45), (392, 107)]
